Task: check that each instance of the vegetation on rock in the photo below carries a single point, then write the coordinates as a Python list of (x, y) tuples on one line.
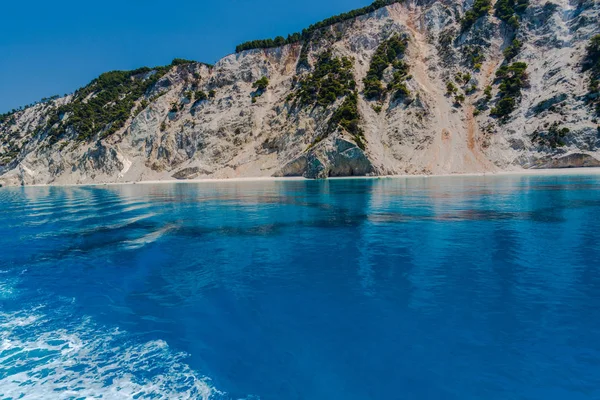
[(6, 116), (479, 9), (445, 47), (463, 79), (473, 56), (181, 61), (103, 106), (488, 93), (303, 62), (592, 63), (509, 11), (307, 33), (398, 85), (9, 115), (348, 118), (511, 79), (201, 95), (386, 54), (331, 79), (511, 51), (323, 97), (261, 85), (554, 137), (450, 88)]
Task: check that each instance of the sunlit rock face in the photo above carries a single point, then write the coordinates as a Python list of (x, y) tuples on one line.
[(190, 120)]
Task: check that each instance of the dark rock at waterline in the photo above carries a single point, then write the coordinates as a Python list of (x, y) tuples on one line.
[(576, 160), (333, 157), (189, 173)]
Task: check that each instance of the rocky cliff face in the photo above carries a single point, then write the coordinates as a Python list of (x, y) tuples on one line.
[(450, 101)]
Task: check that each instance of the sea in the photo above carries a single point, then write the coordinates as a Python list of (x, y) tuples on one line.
[(481, 287)]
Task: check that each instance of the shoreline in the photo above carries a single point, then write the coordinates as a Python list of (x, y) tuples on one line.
[(524, 172)]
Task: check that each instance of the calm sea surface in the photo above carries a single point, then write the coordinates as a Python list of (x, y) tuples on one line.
[(439, 288)]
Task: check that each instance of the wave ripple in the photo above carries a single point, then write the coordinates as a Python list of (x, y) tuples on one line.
[(88, 361)]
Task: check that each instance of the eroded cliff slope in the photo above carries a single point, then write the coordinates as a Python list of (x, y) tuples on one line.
[(412, 87)]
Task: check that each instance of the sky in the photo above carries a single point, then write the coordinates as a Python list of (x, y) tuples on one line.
[(54, 47)]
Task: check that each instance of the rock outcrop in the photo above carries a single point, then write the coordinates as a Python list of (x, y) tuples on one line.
[(441, 108)]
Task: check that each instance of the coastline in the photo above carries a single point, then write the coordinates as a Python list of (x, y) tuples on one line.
[(524, 172)]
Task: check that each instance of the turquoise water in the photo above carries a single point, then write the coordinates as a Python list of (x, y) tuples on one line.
[(438, 288)]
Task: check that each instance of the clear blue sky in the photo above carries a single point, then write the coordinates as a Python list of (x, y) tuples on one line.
[(55, 47)]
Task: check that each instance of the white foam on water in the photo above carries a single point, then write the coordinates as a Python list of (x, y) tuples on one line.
[(86, 361), (7, 288), (126, 222), (95, 212), (148, 238), (92, 228), (137, 206)]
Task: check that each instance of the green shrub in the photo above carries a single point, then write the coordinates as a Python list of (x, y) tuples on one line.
[(143, 104), (444, 45), (398, 84), (402, 68), (466, 78), (331, 79), (386, 53), (103, 106), (479, 9), (347, 115), (592, 58), (181, 61), (201, 96), (554, 137), (211, 94), (514, 22), (261, 85), (473, 56), (511, 51), (450, 88), (488, 93), (592, 63), (348, 118), (303, 62), (4, 117), (504, 107), (307, 33), (512, 79), (402, 92), (508, 10), (373, 88)]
